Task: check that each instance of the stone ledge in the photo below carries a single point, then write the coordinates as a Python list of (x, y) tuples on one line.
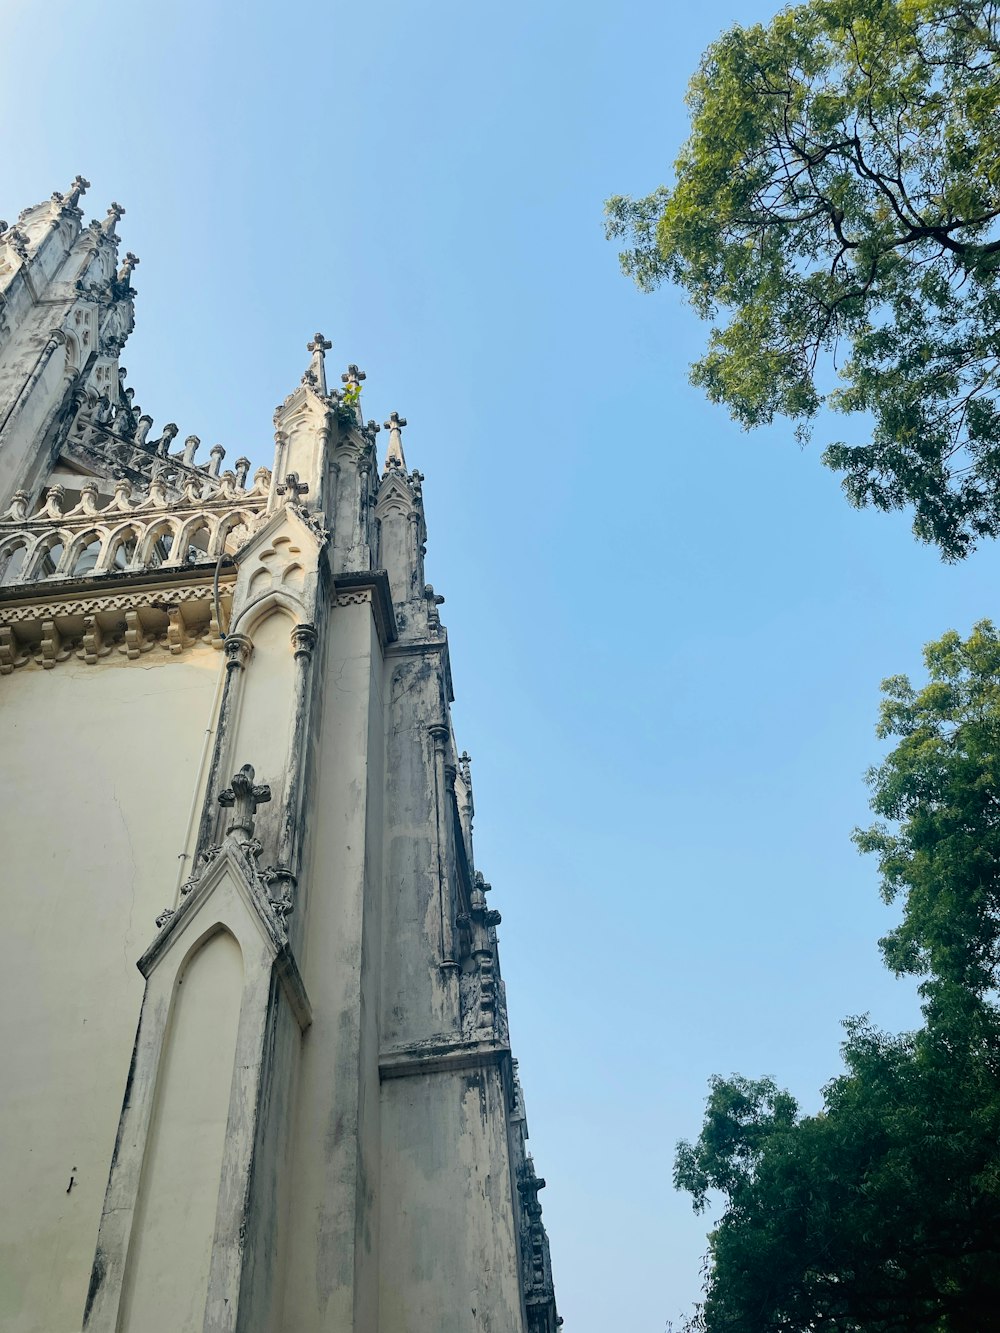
[(375, 582), (440, 1057), (427, 647)]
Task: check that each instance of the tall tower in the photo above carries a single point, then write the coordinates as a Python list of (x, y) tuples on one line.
[(257, 1074)]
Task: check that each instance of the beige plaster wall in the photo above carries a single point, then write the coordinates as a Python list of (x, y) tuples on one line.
[(97, 769)]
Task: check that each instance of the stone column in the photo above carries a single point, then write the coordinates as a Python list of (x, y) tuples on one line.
[(286, 868), (238, 649), (443, 835)]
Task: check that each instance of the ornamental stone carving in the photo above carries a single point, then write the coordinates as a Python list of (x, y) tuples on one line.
[(243, 798)]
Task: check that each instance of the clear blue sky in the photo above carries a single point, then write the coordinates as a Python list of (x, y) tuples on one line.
[(667, 637)]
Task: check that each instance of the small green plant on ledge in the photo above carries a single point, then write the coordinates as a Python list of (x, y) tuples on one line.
[(347, 407)]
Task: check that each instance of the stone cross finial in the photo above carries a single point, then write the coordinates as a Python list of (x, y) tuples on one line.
[(394, 454), (352, 376), (292, 489), (80, 186), (244, 797), (127, 268), (114, 213), (316, 374)]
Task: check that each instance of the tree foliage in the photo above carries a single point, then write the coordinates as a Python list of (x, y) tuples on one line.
[(837, 205), (882, 1212), (940, 786)]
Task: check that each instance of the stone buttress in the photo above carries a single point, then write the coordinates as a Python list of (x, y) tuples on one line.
[(321, 1126)]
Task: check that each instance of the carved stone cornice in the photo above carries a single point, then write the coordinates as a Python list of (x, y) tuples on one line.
[(93, 624), (371, 586)]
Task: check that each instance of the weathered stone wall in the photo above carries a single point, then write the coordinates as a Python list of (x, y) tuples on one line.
[(332, 1234), (447, 1211)]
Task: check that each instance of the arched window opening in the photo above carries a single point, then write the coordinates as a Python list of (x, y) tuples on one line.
[(12, 563), (233, 534), (49, 561), (162, 545), (124, 551), (87, 557), (197, 545)]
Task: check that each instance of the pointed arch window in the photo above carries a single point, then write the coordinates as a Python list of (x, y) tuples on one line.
[(48, 561), (12, 560), (161, 547), (87, 557), (197, 542), (123, 550)]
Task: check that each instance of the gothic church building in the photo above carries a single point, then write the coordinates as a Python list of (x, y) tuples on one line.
[(256, 1074)]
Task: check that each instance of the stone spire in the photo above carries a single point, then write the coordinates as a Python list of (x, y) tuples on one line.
[(394, 457), (315, 376)]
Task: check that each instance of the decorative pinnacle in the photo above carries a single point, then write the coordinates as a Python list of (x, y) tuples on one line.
[(352, 376), (114, 213), (244, 797), (18, 242), (128, 267), (315, 376), (394, 458), (72, 196)]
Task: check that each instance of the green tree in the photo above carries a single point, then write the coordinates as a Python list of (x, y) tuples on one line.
[(882, 1212), (835, 214)]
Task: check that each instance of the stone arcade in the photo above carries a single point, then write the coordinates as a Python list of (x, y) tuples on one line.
[(256, 1069)]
